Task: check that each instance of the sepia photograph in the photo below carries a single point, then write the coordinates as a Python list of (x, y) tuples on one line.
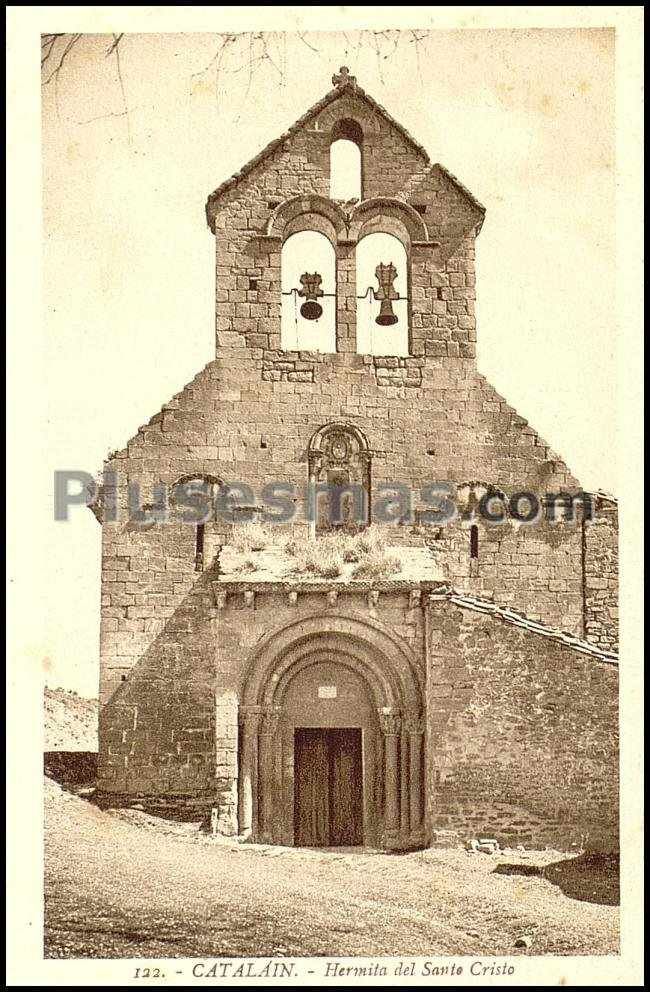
[(330, 457)]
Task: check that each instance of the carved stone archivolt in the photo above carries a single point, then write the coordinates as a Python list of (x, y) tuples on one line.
[(250, 718), (305, 211), (385, 663)]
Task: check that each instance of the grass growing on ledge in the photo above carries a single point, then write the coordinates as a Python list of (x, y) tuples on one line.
[(378, 565), (247, 566), (250, 536), (326, 556)]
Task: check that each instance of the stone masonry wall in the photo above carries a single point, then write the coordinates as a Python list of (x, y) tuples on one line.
[(521, 731), (168, 693), (169, 721), (231, 425), (534, 569), (523, 739), (601, 577), (158, 721), (442, 278), (249, 415)]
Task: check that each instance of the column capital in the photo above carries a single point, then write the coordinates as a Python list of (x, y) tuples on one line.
[(414, 723), (270, 721), (250, 718), (390, 723)]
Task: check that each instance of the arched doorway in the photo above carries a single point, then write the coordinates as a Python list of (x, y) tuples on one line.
[(331, 719), (330, 736)]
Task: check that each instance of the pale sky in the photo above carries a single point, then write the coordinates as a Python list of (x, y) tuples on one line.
[(523, 118)]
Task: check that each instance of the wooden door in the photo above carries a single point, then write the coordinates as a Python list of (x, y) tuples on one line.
[(345, 787), (328, 787), (311, 792)]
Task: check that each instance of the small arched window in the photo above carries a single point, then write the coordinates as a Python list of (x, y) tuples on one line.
[(193, 504), (473, 541), (382, 296), (346, 161), (308, 281)]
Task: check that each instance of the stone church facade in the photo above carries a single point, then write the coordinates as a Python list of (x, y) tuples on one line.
[(472, 693)]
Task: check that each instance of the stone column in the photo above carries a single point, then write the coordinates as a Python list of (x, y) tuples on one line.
[(404, 791), (415, 731), (248, 778), (224, 811), (390, 727), (311, 506), (346, 304), (267, 784), (365, 458)]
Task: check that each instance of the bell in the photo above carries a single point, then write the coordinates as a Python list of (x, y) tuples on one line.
[(386, 316), (311, 310), (386, 275)]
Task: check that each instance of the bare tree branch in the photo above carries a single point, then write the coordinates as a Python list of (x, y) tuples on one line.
[(115, 47), (104, 117), (251, 51), (116, 41), (67, 48), (302, 38), (48, 41), (228, 40)]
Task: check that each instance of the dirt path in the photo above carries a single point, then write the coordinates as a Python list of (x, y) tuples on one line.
[(122, 885)]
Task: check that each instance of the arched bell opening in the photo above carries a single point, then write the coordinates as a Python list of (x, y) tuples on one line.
[(382, 277), (308, 291), (346, 161)]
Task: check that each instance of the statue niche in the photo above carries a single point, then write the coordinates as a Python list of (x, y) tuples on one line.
[(339, 477)]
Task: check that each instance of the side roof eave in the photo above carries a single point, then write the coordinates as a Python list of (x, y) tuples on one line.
[(436, 592)]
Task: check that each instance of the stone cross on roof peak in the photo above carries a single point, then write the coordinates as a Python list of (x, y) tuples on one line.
[(343, 77)]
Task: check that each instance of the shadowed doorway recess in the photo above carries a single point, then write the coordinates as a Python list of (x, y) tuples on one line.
[(328, 799)]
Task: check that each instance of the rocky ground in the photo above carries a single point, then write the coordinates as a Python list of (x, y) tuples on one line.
[(70, 721), (124, 884)]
